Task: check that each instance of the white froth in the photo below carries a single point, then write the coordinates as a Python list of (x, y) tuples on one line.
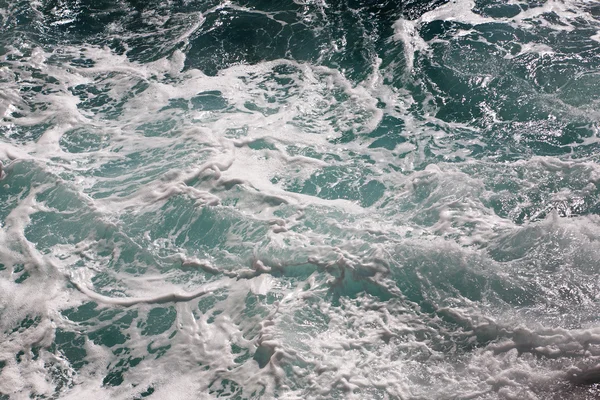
[(273, 294)]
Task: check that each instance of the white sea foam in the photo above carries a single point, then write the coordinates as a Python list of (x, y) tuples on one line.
[(413, 320)]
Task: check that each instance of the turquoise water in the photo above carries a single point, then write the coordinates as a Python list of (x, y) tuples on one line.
[(313, 199)]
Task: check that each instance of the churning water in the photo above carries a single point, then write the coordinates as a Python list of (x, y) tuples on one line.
[(300, 199)]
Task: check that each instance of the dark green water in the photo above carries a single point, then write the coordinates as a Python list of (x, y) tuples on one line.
[(299, 199)]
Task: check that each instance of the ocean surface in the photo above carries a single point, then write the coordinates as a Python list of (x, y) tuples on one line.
[(300, 199)]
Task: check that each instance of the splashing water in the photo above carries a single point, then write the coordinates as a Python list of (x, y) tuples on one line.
[(299, 199)]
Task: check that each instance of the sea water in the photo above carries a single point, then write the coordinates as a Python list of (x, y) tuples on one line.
[(299, 199)]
